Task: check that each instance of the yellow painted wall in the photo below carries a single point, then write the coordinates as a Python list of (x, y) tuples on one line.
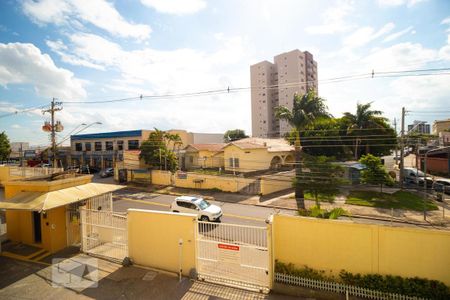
[(153, 239), (4, 174), (250, 159), (161, 177), (192, 181), (14, 187), (273, 184), (20, 226), (360, 248), (53, 228)]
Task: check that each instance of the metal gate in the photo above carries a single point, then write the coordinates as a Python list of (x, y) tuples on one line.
[(104, 233), (232, 254), (73, 225)]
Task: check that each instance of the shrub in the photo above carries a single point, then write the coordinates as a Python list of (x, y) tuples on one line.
[(419, 287)]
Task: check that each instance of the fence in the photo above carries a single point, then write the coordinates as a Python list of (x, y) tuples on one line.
[(336, 287), (26, 172)]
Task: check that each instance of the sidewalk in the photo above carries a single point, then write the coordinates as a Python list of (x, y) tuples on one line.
[(27, 280)]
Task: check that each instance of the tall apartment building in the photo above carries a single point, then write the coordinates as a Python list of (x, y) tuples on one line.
[(274, 84), (419, 127)]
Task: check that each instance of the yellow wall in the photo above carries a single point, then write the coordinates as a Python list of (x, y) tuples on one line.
[(14, 187), (192, 181), (273, 184), (153, 239), (359, 248), (250, 159), (4, 174), (53, 228)]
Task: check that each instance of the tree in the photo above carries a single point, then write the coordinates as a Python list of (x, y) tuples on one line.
[(156, 153), (375, 173), (322, 176), (5, 147), (234, 135), (361, 121), (306, 110)]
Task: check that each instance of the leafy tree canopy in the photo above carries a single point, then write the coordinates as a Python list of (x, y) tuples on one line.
[(375, 172), (5, 147), (156, 153), (234, 135)]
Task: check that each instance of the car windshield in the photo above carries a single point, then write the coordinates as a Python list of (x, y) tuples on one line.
[(420, 173), (203, 204)]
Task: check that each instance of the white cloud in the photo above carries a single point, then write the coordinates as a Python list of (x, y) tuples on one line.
[(408, 3), (99, 13), (59, 48), (364, 35), (163, 71), (399, 56), (398, 34), (25, 64), (177, 7), (334, 19), (16, 126)]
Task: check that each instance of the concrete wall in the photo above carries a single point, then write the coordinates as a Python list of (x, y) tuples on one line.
[(200, 181), (276, 183), (359, 248), (153, 239)]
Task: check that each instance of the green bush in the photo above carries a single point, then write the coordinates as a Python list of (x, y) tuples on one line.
[(419, 287), (317, 212)]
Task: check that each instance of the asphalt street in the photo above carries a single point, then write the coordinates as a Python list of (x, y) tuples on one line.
[(232, 213)]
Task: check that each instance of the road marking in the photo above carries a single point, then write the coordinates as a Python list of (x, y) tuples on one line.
[(145, 202), (167, 205)]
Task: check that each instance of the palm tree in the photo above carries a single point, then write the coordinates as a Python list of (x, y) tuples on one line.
[(365, 118), (306, 110)]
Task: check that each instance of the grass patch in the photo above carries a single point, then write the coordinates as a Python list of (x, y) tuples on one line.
[(398, 200), (323, 196)]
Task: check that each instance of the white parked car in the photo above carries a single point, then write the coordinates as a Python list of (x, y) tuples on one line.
[(196, 205)]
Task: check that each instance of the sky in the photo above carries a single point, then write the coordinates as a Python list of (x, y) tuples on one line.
[(80, 51)]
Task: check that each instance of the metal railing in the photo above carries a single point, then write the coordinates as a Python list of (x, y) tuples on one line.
[(336, 287), (27, 172)]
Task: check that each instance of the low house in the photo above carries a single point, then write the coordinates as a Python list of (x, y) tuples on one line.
[(437, 160), (258, 154), (352, 171), (44, 211), (203, 156)]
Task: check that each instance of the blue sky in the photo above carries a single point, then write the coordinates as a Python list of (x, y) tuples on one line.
[(97, 50)]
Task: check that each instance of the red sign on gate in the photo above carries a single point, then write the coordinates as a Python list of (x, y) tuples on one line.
[(228, 247)]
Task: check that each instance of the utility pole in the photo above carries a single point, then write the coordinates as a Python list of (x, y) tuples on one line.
[(396, 145), (402, 147), (54, 107)]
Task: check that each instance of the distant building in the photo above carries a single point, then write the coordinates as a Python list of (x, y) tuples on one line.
[(102, 150), (444, 138), (419, 127), (441, 125), (274, 84), (18, 148)]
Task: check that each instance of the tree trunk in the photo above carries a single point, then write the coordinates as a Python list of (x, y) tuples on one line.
[(299, 196)]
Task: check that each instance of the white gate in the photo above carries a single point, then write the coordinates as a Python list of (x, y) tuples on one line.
[(232, 254), (104, 233)]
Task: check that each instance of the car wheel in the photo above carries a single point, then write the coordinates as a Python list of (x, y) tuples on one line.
[(204, 218)]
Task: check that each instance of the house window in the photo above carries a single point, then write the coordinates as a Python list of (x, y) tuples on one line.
[(133, 145), (119, 145), (234, 162), (98, 146), (191, 159), (87, 146), (109, 146), (78, 147)]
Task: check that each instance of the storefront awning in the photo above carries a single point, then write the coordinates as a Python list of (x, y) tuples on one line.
[(41, 201)]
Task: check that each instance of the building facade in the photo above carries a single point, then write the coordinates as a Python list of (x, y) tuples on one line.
[(102, 150), (274, 84), (441, 125), (419, 127)]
